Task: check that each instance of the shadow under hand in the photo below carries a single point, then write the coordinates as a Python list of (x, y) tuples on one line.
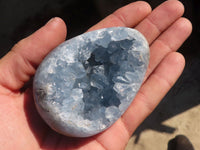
[(183, 96)]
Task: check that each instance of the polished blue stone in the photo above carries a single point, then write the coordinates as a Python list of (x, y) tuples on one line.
[(85, 84)]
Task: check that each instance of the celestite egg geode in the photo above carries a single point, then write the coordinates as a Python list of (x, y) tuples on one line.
[(85, 84)]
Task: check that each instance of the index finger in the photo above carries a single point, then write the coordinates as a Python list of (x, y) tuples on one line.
[(128, 16)]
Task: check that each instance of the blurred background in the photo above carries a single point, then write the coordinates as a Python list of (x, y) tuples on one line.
[(178, 113)]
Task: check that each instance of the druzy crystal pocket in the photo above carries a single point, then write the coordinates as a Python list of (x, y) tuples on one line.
[(85, 84)]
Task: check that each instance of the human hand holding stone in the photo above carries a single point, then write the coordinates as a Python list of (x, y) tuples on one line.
[(21, 126)]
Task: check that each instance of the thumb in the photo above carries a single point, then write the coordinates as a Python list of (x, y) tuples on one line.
[(17, 67)]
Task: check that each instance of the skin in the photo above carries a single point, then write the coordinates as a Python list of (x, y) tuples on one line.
[(22, 128)]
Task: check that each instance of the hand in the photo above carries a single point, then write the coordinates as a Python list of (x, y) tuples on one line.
[(20, 125)]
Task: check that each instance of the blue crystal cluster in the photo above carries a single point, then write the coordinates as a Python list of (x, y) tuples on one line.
[(85, 84)]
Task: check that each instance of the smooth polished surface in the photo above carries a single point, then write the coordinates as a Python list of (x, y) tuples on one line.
[(85, 84)]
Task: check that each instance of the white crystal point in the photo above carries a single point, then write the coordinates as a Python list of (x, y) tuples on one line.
[(85, 84)]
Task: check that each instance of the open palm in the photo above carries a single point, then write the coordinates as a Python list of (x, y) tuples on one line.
[(20, 125)]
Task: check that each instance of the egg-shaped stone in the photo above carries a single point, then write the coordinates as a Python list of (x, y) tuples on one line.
[(85, 84)]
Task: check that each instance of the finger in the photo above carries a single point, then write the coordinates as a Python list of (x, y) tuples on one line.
[(153, 90), (160, 18), (128, 16), (168, 42), (20, 63), (150, 94)]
